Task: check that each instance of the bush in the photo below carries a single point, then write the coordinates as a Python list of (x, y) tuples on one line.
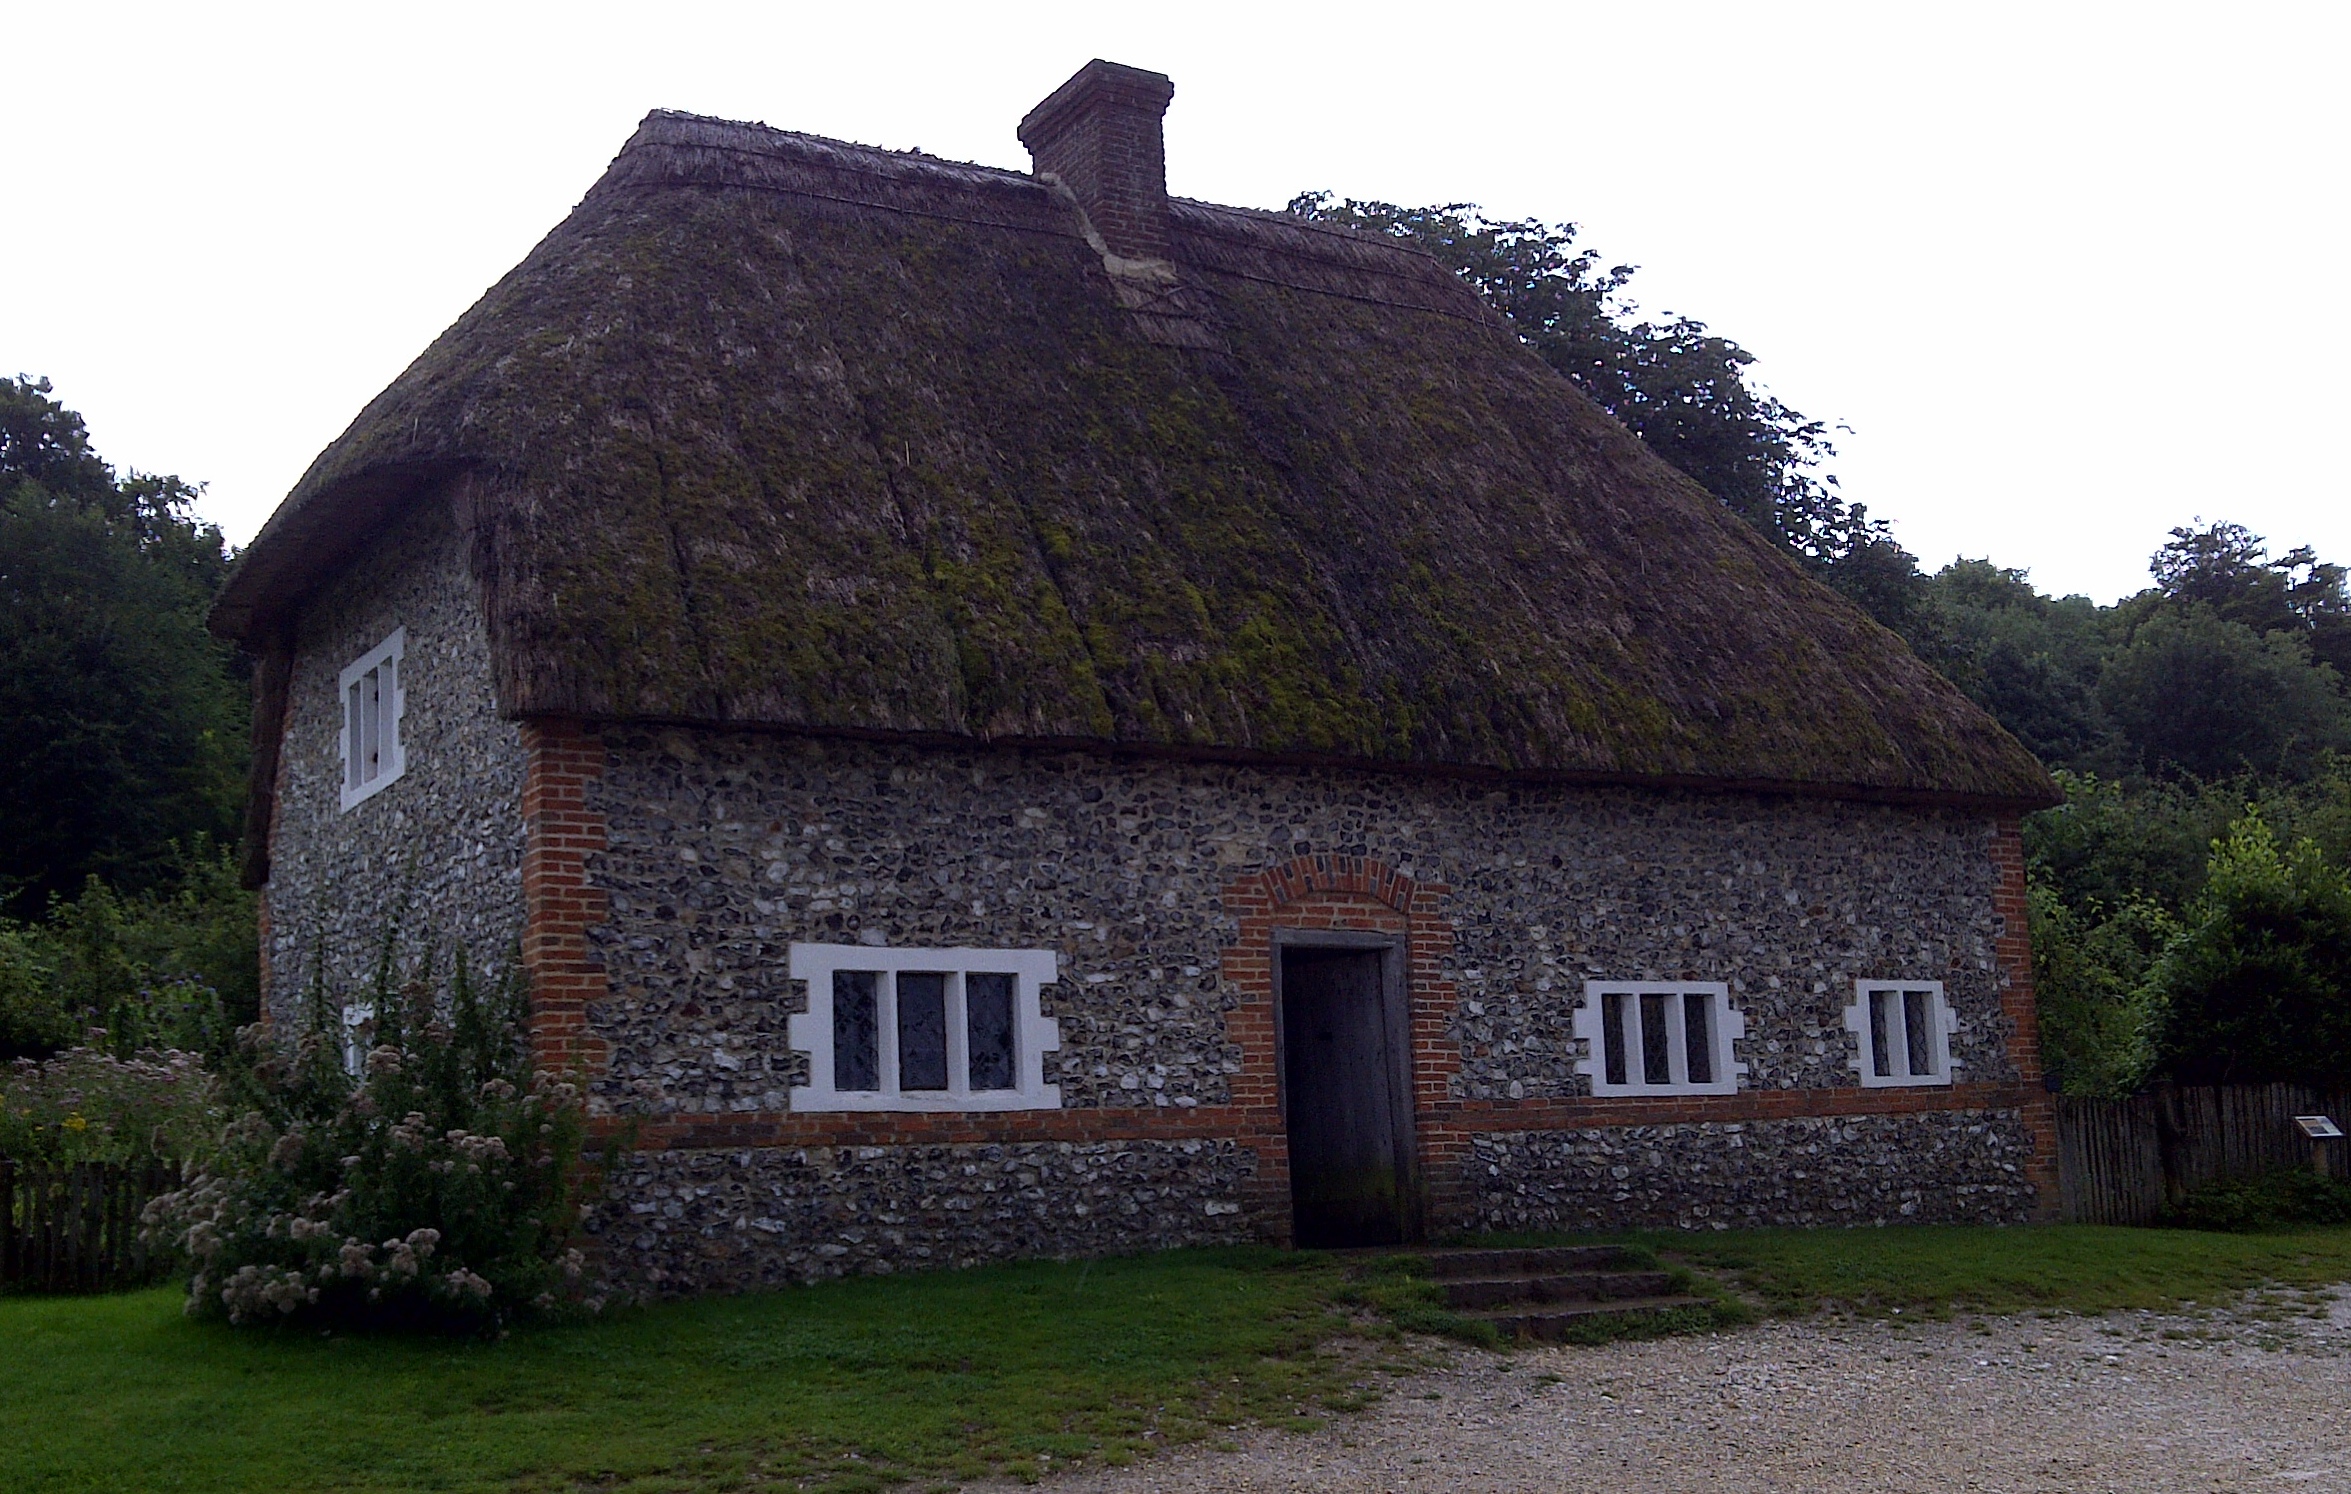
[(178, 968), (2258, 985), (88, 1106), (35, 1020), (2281, 1199), (437, 1187), (2099, 1014)]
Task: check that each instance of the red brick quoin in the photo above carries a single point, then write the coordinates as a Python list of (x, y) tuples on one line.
[(559, 902), (2014, 955)]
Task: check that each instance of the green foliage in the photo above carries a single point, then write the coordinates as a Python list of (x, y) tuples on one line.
[(2032, 661), (2138, 884), (2258, 985), (174, 967), (2227, 568), (2286, 1198), (2195, 693), (122, 722), (2232, 663), (2099, 1015), (89, 1106), (34, 1018), (437, 1187), (1684, 390)]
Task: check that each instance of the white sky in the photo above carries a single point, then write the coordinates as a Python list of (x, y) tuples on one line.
[(2072, 274)]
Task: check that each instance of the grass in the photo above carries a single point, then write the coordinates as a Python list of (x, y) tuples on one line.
[(2061, 1267), (917, 1381), (845, 1386)]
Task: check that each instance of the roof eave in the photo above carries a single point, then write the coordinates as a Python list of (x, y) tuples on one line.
[(2024, 799), (311, 536)]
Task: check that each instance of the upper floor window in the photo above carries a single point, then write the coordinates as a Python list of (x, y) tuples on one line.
[(1903, 1029), (372, 700), (1660, 1037), (359, 1031), (924, 1029)]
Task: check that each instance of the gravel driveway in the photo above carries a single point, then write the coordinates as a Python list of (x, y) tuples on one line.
[(2254, 1397)]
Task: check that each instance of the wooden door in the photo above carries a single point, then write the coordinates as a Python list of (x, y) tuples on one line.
[(1340, 1096)]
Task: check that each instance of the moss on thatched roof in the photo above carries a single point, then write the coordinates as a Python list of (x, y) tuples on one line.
[(774, 430)]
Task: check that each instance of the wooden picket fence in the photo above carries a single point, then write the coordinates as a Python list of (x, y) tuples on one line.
[(75, 1228), (2129, 1161)]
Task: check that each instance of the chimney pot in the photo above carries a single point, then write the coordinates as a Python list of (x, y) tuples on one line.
[(1100, 134)]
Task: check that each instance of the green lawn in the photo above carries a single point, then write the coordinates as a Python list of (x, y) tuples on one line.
[(933, 1376), (922, 1379), (2072, 1267)]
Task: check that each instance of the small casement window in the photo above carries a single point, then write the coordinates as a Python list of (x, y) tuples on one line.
[(359, 1031), (1660, 1038), (1902, 1029), (372, 703), (924, 1029)]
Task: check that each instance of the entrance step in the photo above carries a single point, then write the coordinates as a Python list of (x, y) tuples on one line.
[(1556, 1321), (1576, 1286), (1522, 1262), (1544, 1293)]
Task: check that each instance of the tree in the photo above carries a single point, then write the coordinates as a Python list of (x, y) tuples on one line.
[(1683, 389), (2227, 568), (2033, 661), (2194, 692), (122, 722)]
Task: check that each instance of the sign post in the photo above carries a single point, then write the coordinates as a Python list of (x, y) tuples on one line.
[(2321, 1129)]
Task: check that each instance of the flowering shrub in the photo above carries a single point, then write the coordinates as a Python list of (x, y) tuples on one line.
[(88, 1106), (437, 1186)]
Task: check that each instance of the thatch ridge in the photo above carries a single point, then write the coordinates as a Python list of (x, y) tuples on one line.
[(781, 431)]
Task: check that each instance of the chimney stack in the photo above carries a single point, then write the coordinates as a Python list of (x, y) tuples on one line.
[(1099, 133)]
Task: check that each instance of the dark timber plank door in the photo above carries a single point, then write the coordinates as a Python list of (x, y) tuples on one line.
[(1339, 1091)]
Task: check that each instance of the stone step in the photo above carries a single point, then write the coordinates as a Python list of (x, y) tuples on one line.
[(1569, 1286), (1554, 1321), (1539, 1260)]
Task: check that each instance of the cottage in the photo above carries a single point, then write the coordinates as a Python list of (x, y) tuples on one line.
[(1014, 714)]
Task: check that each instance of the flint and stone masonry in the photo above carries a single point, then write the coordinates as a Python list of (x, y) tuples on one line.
[(435, 859), (723, 849)]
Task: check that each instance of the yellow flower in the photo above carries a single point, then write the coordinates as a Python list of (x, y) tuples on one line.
[(76, 1123)]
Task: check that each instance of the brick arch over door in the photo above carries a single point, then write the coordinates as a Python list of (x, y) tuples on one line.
[(1359, 894)]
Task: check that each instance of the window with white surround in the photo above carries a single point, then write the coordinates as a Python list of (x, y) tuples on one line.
[(924, 1029), (1659, 1037), (372, 701), (1903, 1029), (359, 1030)]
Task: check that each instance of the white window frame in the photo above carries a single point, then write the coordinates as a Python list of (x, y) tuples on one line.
[(1033, 1034), (1729, 1028), (393, 759), (359, 1026), (1942, 1023)]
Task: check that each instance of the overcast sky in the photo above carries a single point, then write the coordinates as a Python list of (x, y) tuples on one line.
[(2071, 274)]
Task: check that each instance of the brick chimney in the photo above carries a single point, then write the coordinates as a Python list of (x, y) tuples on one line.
[(1099, 133)]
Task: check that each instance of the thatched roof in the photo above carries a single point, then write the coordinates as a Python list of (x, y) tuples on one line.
[(777, 430)]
